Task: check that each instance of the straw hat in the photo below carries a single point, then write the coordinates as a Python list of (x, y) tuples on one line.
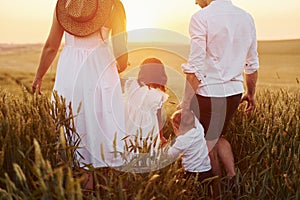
[(83, 17)]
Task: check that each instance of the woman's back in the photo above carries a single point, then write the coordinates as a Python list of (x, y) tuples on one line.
[(87, 42)]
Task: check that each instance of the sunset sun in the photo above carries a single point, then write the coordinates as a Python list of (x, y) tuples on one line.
[(140, 15)]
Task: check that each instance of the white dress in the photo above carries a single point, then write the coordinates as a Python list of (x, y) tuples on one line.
[(87, 76), (141, 105)]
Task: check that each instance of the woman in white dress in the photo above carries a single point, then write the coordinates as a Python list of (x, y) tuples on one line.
[(143, 99), (87, 74)]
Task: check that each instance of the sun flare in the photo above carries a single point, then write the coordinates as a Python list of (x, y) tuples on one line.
[(141, 15)]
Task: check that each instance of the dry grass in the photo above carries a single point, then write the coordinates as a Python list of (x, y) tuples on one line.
[(36, 162)]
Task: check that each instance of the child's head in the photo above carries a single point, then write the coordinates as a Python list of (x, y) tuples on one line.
[(182, 121), (152, 73)]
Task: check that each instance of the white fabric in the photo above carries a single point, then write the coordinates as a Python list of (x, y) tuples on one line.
[(223, 45), (192, 146), (87, 75), (141, 105)]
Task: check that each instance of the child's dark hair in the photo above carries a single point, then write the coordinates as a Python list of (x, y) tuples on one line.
[(152, 73)]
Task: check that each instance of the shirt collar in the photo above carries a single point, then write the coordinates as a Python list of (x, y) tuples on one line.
[(221, 1)]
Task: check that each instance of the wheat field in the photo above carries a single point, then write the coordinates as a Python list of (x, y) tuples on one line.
[(37, 163)]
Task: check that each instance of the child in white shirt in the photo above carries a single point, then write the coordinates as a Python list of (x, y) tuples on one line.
[(191, 144), (144, 98)]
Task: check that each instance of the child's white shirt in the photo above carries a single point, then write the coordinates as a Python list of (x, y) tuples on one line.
[(141, 105), (192, 146)]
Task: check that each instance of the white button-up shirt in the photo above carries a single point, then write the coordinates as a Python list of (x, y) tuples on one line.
[(223, 46)]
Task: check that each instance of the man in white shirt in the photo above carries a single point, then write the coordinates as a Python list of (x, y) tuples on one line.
[(223, 48)]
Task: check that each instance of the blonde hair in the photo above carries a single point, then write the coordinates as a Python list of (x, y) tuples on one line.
[(183, 118)]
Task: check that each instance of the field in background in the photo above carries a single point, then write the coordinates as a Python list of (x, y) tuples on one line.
[(279, 62), (265, 143)]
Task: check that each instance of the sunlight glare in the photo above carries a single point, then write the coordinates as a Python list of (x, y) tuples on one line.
[(140, 14)]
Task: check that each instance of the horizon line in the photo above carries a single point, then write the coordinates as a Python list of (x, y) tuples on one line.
[(167, 42)]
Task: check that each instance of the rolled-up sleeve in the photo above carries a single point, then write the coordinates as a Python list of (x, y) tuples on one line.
[(197, 55), (252, 62)]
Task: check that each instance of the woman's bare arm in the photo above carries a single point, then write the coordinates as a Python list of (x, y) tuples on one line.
[(49, 52)]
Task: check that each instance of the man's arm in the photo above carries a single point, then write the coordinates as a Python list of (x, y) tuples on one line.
[(191, 86), (193, 69), (251, 73)]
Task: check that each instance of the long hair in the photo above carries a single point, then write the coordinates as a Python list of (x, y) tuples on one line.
[(152, 73)]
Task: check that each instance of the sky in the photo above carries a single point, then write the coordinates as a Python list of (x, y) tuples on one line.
[(29, 21)]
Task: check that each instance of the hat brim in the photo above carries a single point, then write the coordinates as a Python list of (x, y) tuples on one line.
[(82, 29)]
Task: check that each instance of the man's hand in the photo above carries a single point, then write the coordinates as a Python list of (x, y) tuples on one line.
[(251, 80), (250, 102), (191, 86)]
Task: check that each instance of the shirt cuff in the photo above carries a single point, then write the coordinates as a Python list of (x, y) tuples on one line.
[(188, 69), (200, 76), (250, 69)]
